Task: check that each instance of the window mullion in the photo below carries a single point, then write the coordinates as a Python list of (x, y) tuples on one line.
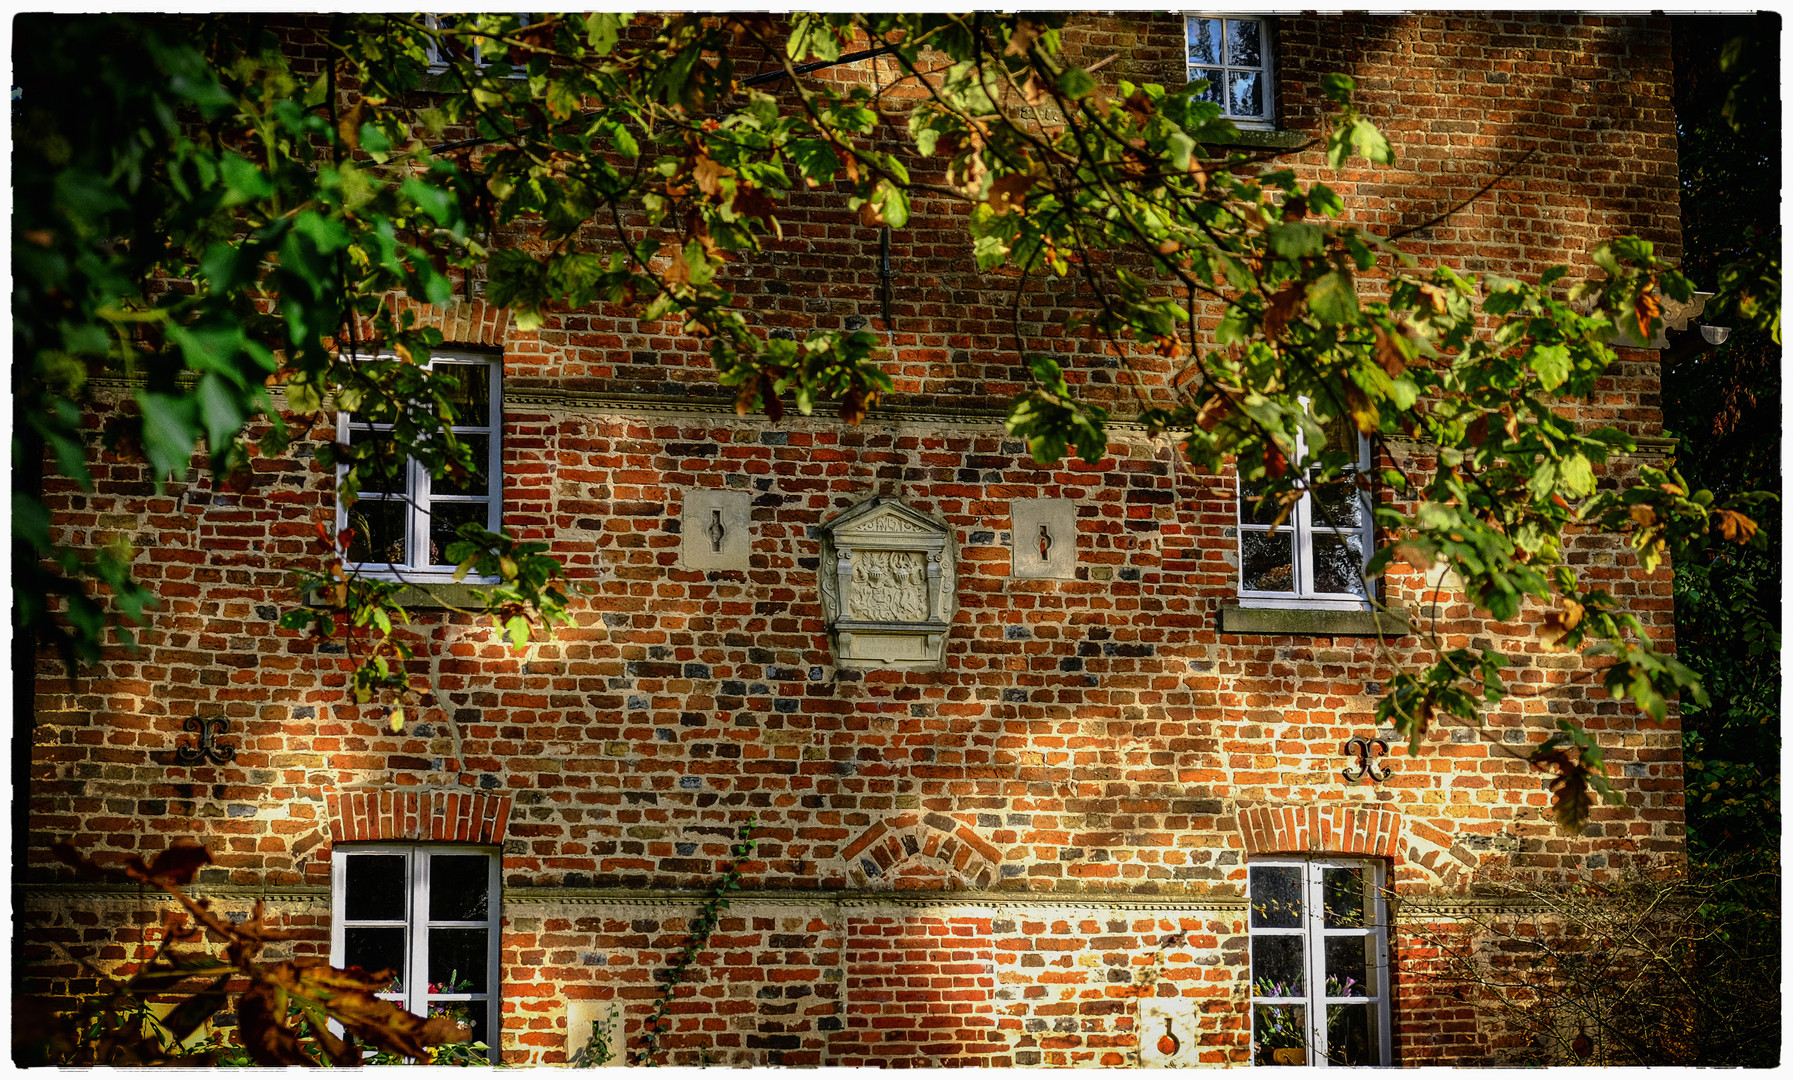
[(417, 984), (1316, 961), (418, 515)]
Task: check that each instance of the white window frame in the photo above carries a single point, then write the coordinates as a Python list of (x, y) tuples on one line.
[(1303, 523), (416, 923), (1266, 69), (433, 50), (1315, 934), (418, 482)]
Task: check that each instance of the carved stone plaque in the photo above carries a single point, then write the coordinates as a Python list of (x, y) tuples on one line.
[(888, 586)]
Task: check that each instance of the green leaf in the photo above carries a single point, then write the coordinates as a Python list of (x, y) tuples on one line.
[(435, 202), (1295, 240), (1333, 299), (1076, 83), (1551, 363), (222, 410)]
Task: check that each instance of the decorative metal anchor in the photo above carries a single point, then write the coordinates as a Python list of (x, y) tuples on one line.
[(885, 275), (1359, 747), (207, 750)]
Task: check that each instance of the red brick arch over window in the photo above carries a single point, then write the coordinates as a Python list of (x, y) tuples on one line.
[(462, 322), (1336, 830), (466, 817)]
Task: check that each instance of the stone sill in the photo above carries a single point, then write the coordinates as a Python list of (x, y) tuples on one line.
[(1260, 139), (1313, 622), (431, 596)]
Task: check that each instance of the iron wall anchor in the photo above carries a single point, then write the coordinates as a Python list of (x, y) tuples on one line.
[(207, 750)]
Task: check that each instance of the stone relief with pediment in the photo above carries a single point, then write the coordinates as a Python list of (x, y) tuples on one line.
[(888, 584)]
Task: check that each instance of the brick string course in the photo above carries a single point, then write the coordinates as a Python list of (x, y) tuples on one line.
[(1093, 743)]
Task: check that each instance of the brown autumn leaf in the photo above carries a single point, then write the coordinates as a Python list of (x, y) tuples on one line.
[(1022, 37), (179, 863), (856, 405), (1010, 192), (83, 866), (1281, 309), (1648, 308), (1643, 515), (769, 395), (1213, 411), (1477, 432), (744, 398), (1558, 624), (352, 999), (1274, 462), (348, 128), (261, 1028), (751, 202), (1413, 556), (1570, 797), (679, 273), (1139, 106), (1435, 295), (1032, 91), (1389, 354), (1364, 413), (1734, 526), (708, 174)]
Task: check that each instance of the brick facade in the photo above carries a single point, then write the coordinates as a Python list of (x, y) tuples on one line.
[(1035, 856)]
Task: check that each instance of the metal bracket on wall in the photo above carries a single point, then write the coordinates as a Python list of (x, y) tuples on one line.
[(207, 750), (1367, 762)]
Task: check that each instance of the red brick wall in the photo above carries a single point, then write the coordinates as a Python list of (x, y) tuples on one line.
[(1094, 764)]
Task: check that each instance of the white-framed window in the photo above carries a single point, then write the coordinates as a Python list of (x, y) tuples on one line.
[(1319, 962), (1315, 557), (430, 914), (404, 519), (1233, 53), (438, 61)]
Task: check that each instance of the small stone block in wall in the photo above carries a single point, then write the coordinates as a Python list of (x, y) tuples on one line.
[(1043, 540), (714, 530), (607, 1016)]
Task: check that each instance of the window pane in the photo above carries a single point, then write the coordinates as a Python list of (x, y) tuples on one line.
[(1267, 562), (1278, 967), (458, 888), (1279, 1035), (1216, 83), (375, 949), (1204, 42), (1348, 1036), (1255, 511), (471, 1015), (472, 396), (376, 887), (1244, 45), (1247, 94), (458, 960), (379, 526), (1276, 896), (1338, 506), (1343, 888), (384, 471), (480, 446), (445, 518), (1338, 563), (1348, 966)]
